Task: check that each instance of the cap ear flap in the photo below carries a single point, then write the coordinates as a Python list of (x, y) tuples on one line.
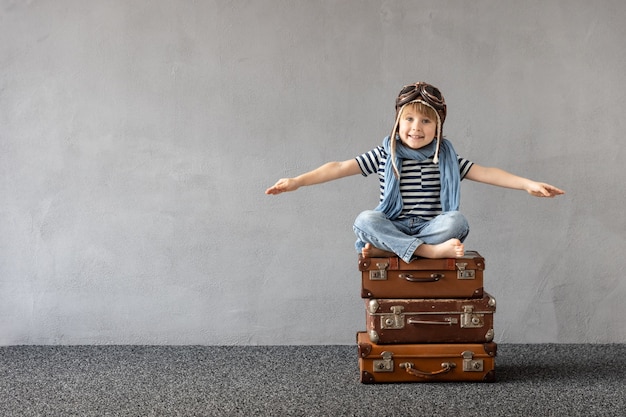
[(436, 157), (392, 140)]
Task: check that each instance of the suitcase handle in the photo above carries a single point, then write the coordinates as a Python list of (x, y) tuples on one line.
[(410, 369), (448, 322), (432, 278)]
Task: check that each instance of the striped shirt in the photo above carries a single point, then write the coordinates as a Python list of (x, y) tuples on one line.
[(420, 186)]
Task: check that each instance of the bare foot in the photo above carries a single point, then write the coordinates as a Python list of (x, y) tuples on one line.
[(370, 251), (452, 248)]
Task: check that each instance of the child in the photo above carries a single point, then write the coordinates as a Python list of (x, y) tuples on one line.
[(419, 174)]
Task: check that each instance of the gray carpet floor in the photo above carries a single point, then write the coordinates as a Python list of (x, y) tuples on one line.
[(541, 380)]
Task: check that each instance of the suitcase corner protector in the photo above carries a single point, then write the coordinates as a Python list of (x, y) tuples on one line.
[(364, 263), (490, 376), (367, 378), (364, 349)]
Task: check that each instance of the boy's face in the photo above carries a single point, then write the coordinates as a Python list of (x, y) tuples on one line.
[(416, 130)]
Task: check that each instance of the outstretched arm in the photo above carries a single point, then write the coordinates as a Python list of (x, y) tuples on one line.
[(501, 178), (327, 172)]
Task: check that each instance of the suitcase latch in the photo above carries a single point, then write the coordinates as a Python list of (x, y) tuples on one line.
[(463, 273), (381, 273), (470, 364), (385, 364), (471, 320), (395, 320)]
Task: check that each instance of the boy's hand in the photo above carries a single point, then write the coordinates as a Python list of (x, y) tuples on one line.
[(540, 189), (283, 185)]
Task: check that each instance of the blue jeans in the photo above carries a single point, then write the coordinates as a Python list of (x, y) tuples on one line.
[(403, 236)]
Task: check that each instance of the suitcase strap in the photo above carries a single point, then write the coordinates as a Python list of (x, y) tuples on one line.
[(410, 369)]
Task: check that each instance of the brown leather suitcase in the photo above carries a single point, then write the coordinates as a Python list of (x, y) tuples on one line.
[(434, 320), (423, 278), (468, 362)]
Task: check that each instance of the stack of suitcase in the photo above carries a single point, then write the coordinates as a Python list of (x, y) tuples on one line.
[(428, 320)]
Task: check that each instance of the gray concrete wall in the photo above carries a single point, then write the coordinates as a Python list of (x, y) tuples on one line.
[(137, 139)]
